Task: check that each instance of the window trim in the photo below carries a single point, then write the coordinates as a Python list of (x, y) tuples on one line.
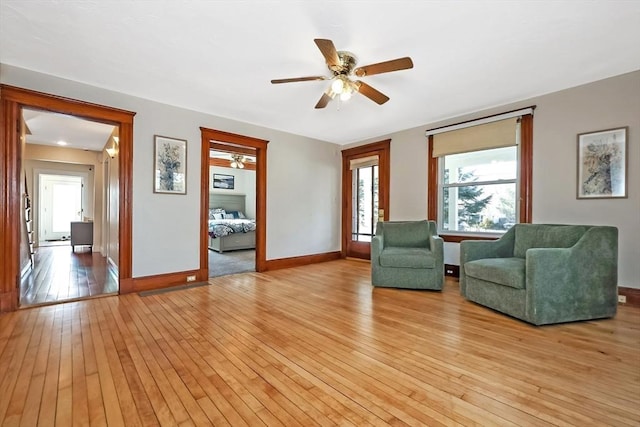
[(525, 166)]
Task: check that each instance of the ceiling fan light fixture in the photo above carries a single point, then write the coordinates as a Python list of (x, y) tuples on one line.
[(237, 161), (342, 65), (345, 96), (338, 85)]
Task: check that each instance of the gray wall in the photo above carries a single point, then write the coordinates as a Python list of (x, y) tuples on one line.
[(558, 118), (303, 180)]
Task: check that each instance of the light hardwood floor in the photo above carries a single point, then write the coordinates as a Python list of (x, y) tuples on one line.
[(314, 345)]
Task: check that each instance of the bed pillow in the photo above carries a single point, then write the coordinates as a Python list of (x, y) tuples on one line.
[(214, 211), (218, 216), (228, 216), (237, 214)]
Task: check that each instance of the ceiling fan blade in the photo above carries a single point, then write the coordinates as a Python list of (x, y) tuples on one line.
[(323, 101), (328, 51), (298, 79), (371, 93), (384, 67)]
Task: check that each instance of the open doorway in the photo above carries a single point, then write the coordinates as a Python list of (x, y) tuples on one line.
[(17, 211), (229, 144), (232, 213), (63, 159)]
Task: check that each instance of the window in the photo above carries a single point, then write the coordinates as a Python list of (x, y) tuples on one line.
[(478, 190), (480, 175)]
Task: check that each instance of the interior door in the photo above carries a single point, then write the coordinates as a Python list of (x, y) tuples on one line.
[(365, 196)]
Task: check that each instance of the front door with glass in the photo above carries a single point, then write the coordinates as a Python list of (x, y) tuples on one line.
[(365, 177)]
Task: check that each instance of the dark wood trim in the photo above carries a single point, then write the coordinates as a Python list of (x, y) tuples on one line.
[(456, 238), (204, 200), (8, 301), (632, 294), (224, 163), (366, 150), (10, 153), (232, 141), (526, 179), (12, 100), (233, 148), (229, 142), (261, 208), (160, 281), (526, 168), (64, 105), (432, 182), (383, 150), (298, 261), (125, 219)]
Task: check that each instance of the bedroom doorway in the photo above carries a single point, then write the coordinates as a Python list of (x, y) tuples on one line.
[(232, 213), (233, 181)]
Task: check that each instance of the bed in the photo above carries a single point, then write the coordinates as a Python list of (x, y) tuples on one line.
[(228, 228)]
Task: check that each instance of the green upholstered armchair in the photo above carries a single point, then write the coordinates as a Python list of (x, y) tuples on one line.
[(543, 273), (407, 254)]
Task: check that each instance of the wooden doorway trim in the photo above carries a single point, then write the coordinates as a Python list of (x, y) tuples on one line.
[(12, 101), (231, 142), (381, 149)]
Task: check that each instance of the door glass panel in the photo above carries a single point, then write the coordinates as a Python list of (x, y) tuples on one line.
[(60, 204), (365, 203), (66, 205)]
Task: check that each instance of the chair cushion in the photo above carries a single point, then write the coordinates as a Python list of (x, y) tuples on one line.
[(545, 236), (503, 271), (407, 234), (400, 257)]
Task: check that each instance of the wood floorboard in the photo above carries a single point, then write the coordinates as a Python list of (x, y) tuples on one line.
[(60, 274), (313, 345)]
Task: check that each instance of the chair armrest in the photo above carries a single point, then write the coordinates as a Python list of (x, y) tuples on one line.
[(581, 282), (471, 250), (377, 244), (436, 245), (478, 249)]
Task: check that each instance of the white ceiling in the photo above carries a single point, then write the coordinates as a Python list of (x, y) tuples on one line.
[(50, 128), (218, 57)]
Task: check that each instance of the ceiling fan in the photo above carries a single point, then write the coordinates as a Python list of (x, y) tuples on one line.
[(342, 66)]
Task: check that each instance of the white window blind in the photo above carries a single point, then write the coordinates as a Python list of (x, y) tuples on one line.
[(498, 134), (363, 162)]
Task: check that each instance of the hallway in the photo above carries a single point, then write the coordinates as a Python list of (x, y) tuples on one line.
[(59, 274)]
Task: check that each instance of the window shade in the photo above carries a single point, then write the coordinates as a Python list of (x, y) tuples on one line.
[(363, 162), (502, 133)]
